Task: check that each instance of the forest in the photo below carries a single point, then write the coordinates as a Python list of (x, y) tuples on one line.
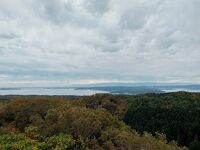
[(167, 121)]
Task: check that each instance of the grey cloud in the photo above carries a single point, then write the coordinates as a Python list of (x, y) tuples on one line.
[(108, 39), (97, 7), (63, 12), (57, 11), (7, 36)]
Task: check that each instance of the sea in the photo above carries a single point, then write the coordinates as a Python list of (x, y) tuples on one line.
[(82, 92), (47, 91)]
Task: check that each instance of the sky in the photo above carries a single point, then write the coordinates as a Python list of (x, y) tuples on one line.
[(64, 42)]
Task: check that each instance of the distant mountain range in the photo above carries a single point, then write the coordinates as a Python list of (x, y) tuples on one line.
[(129, 88), (123, 89), (131, 84), (114, 88)]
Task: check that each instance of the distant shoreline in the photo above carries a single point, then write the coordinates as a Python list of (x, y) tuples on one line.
[(86, 91)]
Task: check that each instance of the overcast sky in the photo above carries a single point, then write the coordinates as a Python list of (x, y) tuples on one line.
[(62, 42)]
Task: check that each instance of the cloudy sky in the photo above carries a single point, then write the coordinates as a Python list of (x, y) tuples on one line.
[(62, 42)]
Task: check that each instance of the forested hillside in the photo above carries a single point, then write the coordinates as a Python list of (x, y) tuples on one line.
[(175, 114), (100, 122)]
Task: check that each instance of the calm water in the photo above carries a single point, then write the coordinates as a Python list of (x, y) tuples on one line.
[(69, 91), (48, 91), (181, 89)]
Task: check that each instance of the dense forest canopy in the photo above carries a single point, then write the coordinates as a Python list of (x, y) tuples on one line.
[(102, 121), (175, 114)]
